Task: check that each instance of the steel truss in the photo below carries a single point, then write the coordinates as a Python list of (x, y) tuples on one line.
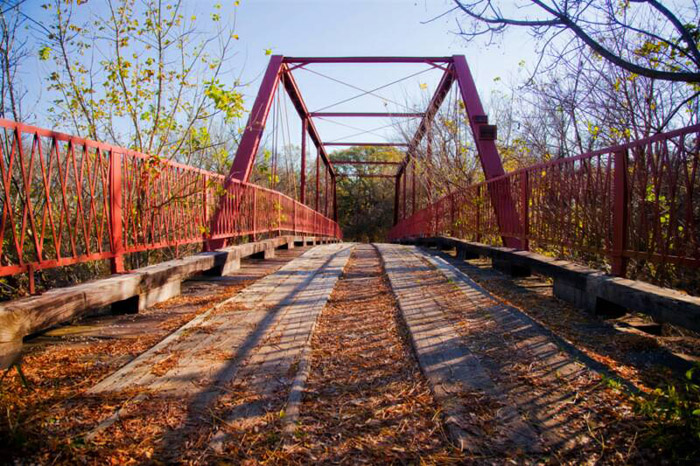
[(455, 71)]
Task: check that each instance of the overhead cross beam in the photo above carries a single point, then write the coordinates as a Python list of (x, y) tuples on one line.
[(366, 144), (356, 60), (364, 115), (365, 175), (364, 162)]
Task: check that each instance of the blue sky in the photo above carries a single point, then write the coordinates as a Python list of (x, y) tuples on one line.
[(351, 28), (355, 28)]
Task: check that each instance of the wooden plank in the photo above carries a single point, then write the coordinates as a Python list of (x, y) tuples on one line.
[(223, 328), (267, 370), (452, 370), (21, 317), (528, 340), (584, 287)]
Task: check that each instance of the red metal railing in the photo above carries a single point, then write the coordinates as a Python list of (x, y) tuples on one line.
[(639, 201), (67, 200)]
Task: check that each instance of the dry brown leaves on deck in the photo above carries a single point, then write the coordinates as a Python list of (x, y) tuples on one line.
[(365, 401), (46, 422)]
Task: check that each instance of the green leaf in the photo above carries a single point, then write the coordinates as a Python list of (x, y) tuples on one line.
[(44, 53)]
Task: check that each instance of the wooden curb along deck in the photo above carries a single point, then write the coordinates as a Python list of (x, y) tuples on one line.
[(528, 391), (260, 333), (131, 291), (585, 288)]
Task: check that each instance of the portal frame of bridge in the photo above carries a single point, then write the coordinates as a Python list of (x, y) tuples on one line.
[(455, 70)]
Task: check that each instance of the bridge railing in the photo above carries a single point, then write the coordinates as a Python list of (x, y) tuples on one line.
[(67, 200), (637, 202)]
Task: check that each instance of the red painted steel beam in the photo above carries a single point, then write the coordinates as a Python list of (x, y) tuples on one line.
[(356, 60), (365, 114), (366, 144), (488, 153), (250, 141), (363, 162), (294, 93), (435, 102), (364, 175), (503, 202), (397, 187), (304, 130)]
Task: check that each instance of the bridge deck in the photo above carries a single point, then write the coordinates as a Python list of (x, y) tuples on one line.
[(339, 353)]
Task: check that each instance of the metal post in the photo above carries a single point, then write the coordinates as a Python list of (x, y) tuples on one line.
[(413, 189), (524, 201), (403, 195), (304, 127), (429, 159), (478, 214), (620, 214), (325, 198), (397, 189), (436, 218), (318, 160), (279, 214), (115, 212), (255, 214), (335, 199), (205, 215), (32, 279), (452, 214)]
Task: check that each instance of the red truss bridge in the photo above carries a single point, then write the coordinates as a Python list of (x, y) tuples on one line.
[(255, 334)]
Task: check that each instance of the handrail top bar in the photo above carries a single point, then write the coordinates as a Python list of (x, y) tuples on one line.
[(598, 152), (368, 60), (588, 155), (106, 147), (64, 137)]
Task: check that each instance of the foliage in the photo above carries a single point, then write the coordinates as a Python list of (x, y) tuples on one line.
[(666, 44), (13, 53), (142, 75), (366, 205), (673, 414)]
